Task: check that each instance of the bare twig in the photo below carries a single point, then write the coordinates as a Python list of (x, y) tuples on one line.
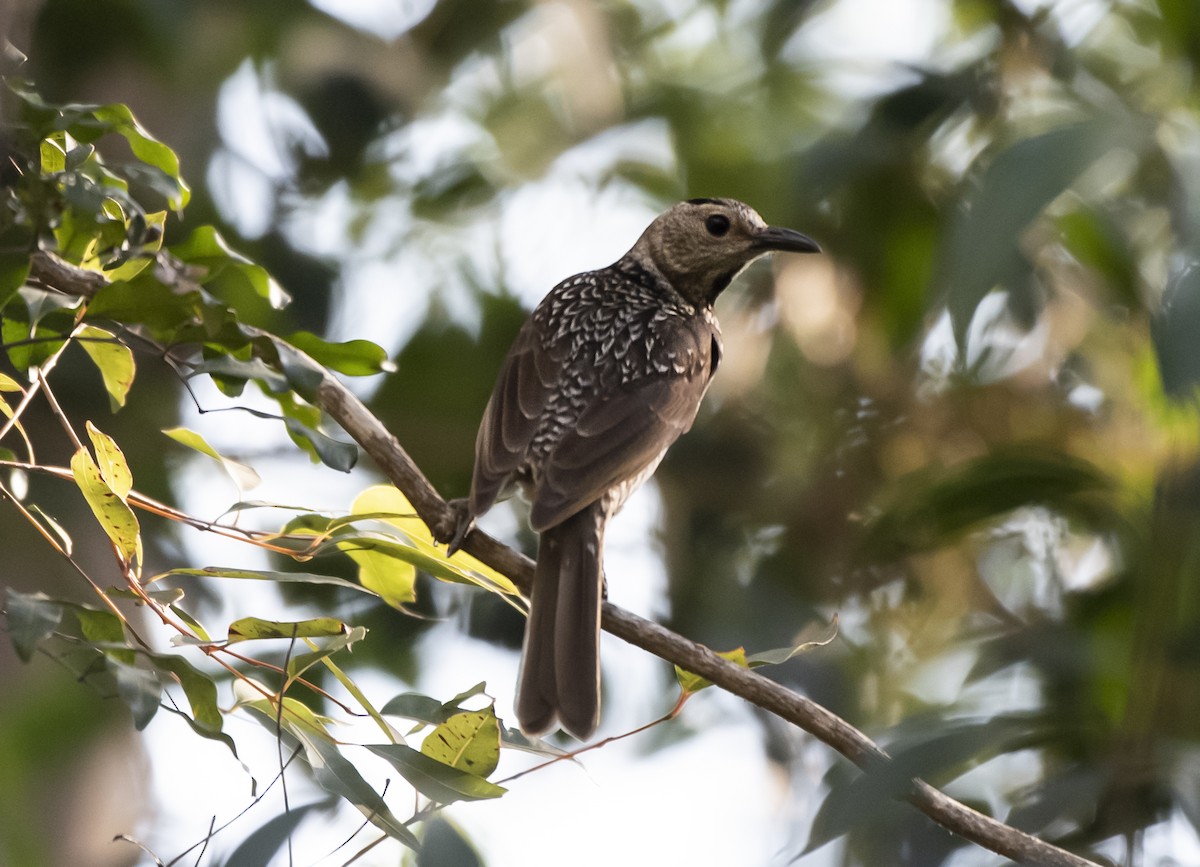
[(391, 458)]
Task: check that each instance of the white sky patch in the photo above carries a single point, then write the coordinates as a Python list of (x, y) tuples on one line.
[(387, 19), (263, 130), (861, 46)]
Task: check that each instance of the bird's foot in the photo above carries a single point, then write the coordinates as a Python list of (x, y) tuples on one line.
[(454, 531)]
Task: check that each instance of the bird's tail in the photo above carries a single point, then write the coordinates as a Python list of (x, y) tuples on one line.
[(560, 671)]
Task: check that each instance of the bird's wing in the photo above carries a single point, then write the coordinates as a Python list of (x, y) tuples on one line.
[(624, 432), (526, 381)]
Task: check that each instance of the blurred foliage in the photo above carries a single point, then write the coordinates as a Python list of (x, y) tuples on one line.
[(970, 429)]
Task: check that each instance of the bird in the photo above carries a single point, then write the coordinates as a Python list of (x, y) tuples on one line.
[(605, 374)]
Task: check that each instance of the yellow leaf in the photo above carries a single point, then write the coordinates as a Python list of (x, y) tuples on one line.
[(689, 682), (110, 510)]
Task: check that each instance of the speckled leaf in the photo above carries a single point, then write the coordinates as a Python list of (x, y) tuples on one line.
[(110, 510), (469, 741)]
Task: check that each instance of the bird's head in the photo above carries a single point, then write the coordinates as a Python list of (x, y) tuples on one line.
[(700, 245)]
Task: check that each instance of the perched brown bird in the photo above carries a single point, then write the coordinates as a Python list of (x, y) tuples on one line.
[(605, 374)]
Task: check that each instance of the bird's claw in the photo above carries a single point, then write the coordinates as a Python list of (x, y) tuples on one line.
[(463, 521)]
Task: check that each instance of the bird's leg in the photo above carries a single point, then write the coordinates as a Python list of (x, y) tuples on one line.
[(454, 531)]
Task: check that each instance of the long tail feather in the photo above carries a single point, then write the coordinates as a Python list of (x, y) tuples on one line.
[(560, 674)]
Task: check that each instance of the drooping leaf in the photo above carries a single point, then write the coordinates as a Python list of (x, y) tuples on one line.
[(243, 476), (31, 618), (982, 247), (117, 519), (146, 148), (445, 845), (338, 776), (52, 527), (200, 689), (113, 467), (263, 843), (141, 690), (113, 359), (295, 717), (338, 455), (437, 781)]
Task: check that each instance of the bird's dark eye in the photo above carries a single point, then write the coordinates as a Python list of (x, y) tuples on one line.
[(717, 224)]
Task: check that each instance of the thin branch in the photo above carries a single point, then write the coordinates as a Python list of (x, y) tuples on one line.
[(391, 458)]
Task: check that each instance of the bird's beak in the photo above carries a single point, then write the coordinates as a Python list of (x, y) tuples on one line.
[(786, 240)]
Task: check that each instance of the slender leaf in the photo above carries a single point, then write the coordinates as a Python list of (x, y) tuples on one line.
[(255, 629), (338, 776), (437, 781)]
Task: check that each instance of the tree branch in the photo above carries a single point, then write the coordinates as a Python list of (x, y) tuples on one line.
[(395, 463)]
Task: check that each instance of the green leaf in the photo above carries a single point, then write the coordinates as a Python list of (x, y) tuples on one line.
[(265, 575), (31, 618), (53, 154), (14, 269), (255, 628), (243, 476), (199, 688), (303, 373), (393, 578), (146, 148), (333, 453), (262, 844), (144, 300), (938, 758), (353, 357), (469, 741), (105, 629), (227, 270), (141, 690), (338, 776), (930, 508), (414, 706), (113, 359), (388, 503), (300, 663), (437, 781), (982, 248), (297, 718), (444, 844)]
